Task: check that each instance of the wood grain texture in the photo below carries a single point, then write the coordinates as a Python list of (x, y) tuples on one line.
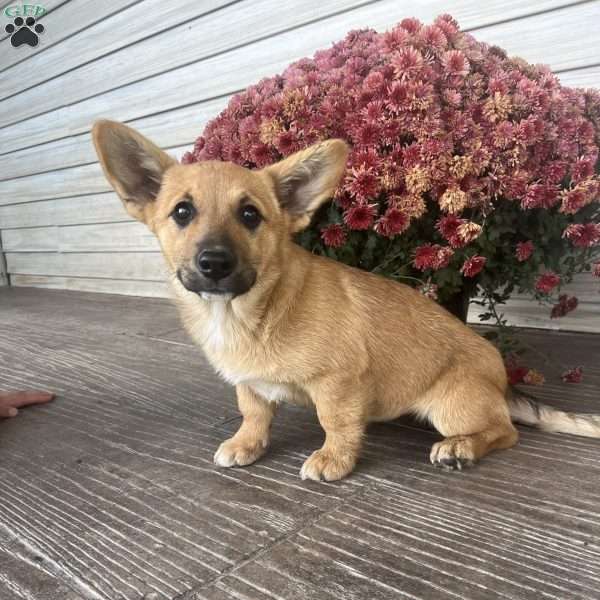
[(62, 20), (116, 265), (522, 311), (152, 289), (78, 210), (3, 269), (176, 128), (240, 67), (50, 6), (86, 179), (94, 30), (109, 493), (130, 236), (588, 77)]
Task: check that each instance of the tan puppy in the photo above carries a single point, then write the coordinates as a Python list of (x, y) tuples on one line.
[(282, 324)]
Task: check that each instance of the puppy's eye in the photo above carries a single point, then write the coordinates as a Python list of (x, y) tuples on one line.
[(250, 216), (183, 213)]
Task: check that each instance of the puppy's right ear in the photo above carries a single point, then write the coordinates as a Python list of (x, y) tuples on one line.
[(133, 165)]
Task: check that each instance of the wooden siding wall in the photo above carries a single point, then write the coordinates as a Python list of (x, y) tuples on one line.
[(166, 67)]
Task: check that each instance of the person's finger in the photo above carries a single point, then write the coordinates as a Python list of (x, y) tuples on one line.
[(8, 411), (24, 398)]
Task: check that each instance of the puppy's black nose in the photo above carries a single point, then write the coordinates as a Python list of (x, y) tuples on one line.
[(216, 263)]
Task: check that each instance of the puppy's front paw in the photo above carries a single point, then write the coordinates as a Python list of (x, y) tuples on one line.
[(239, 453), (324, 464)]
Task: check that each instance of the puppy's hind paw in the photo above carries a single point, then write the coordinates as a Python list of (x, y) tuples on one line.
[(237, 453), (453, 454)]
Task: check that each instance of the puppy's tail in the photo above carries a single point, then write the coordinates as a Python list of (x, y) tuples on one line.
[(527, 410)]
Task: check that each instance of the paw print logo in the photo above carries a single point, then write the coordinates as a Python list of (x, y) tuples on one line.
[(24, 31)]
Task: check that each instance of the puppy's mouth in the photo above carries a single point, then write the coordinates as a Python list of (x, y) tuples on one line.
[(233, 285)]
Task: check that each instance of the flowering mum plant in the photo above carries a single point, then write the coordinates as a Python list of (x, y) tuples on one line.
[(470, 172)]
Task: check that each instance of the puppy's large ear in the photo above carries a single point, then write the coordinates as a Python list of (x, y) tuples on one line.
[(308, 178), (133, 165)]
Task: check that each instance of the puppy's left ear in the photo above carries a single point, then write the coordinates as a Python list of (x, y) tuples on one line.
[(307, 179)]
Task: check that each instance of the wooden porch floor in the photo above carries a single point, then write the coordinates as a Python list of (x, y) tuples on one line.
[(110, 491)]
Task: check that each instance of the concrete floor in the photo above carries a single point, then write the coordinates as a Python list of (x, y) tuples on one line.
[(110, 491)]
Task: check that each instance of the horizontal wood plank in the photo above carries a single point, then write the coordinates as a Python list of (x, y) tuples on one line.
[(155, 289), (62, 21), (105, 237), (91, 208), (523, 311), (528, 313), (585, 78), (174, 128), (144, 266), (87, 179), (94, 31), (553, 38), (224, 73), (3, 271), (50, 6)]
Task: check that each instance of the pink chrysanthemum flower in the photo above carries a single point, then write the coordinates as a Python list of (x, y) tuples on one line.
[(394, 40), (515, 372), (411, 25), (524, 250), (546, 282), (363, 183), (187, 158), (574, 375), (393, 222), (449, 227), (467, 232), (360, 216), (411, 204), (453, 200), (540, 195), (565, 305), (429, 290), (473, 266), (333, 235), (574, 200), (432, 256), (455, 63), (448, 25), (534, 377), (433, 37), (443, 258), (583, 236), (407, 63), (582, 169)]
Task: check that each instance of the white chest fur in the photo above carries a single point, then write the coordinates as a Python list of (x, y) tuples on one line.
[(279, 392), (237, 358)]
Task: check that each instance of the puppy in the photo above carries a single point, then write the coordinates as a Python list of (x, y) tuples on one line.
[(284, 325)]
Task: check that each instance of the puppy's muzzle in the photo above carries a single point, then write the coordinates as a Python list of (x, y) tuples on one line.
[(216, 263), (217, 270)]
